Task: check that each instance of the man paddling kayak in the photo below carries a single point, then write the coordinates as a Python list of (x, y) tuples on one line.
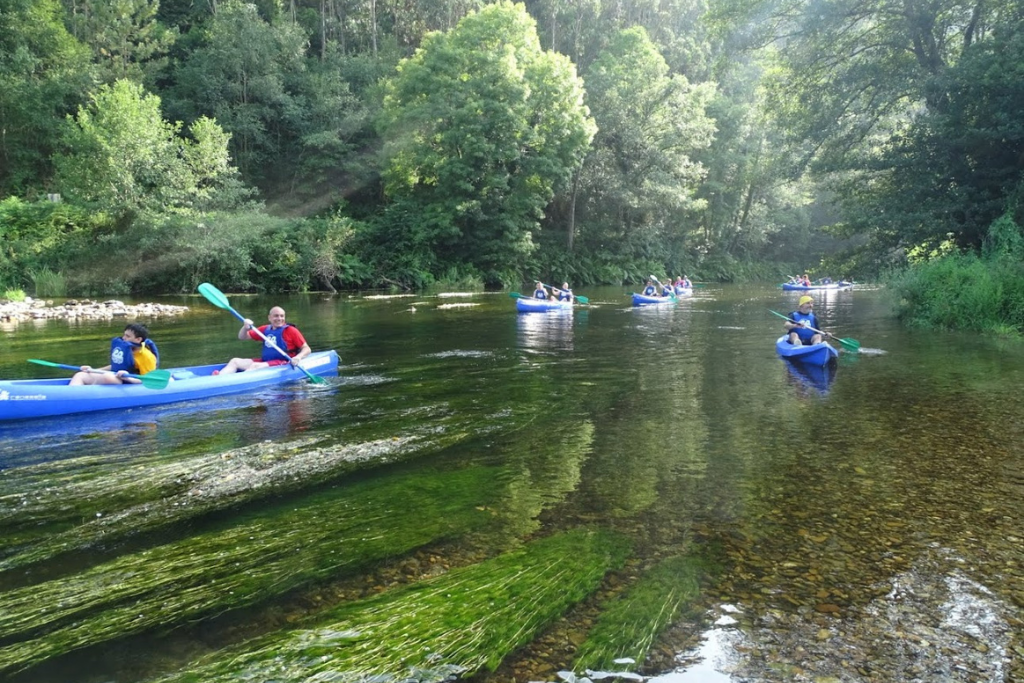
[(800, 331), (286, 338)]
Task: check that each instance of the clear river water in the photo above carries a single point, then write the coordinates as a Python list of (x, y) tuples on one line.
[(617, 492)]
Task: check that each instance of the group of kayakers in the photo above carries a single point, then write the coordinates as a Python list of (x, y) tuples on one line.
[(805, 281), (556, 293), (134, 353), (657, 288)]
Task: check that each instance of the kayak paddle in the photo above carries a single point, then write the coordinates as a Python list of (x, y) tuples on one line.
[(658, 282), (157, 379), (217, 298), (581, 299), (851, 345)]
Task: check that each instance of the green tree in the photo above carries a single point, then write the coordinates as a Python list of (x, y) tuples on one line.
[(638, 183), (122, 156), (480, 126), (864, 87), (956, 169), (125, 37), (44, 74), (238, 73)]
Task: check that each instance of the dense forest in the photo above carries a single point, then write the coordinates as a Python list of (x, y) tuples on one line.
[(325, 144)]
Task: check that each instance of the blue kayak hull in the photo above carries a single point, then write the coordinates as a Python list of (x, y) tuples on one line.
[(817, 377), (644, 300), (790, 287), (32, 398), (811, 354), (534, 305)]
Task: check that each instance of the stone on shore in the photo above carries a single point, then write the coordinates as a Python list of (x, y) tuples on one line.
[(86, 309)]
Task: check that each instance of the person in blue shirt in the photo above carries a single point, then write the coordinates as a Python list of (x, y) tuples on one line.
[(799, 331), (649, 290), (564, 294), (131, 353), (540, 292)]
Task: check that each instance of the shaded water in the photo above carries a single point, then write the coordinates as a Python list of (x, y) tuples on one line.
[(864, 525)]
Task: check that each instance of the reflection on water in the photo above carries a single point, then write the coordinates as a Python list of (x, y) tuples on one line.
[(809, 379), (546, 331), (265, 414), (714, 659)]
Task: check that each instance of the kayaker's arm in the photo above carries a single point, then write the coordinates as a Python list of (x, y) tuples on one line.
[(243, 333), (303, 352)]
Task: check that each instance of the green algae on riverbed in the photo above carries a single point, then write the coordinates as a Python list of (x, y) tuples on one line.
[(629, 624), (462, 622), (71, 505), (249, 559)]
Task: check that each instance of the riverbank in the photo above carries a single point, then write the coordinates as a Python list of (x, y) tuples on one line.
[(72, 309)]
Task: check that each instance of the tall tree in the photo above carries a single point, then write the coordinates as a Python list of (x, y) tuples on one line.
[(44, 74), (122, 156), (481, 125), (639, 180), (956, 169), (238, 75), (126, 39)]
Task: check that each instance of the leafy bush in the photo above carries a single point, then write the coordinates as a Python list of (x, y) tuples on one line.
[(49, 283), (967, 291), (36, 235), (466, 278)]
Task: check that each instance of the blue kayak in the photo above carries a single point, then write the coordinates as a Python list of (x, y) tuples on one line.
[(684, 291), (812, 354), (30, 398), (534, 305), (790, 287), (644, 300)]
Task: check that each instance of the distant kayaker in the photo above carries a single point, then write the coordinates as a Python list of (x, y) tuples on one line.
[(564, 294), (649, 290), (800, 332), (286, 336), (133, 352), (540, 292)]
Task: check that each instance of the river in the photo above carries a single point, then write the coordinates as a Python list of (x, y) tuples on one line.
[(493, 496)]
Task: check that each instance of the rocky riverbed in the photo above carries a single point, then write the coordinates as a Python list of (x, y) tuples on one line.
[(14, 312)]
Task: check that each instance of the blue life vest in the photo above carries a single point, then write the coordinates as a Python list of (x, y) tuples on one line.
[(804, 333), (564, 295), (269, 352), (540, 294), (649, 290), (122, 355), (666, 290)]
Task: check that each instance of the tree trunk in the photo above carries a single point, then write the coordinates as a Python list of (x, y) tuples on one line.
[(571, 228)]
